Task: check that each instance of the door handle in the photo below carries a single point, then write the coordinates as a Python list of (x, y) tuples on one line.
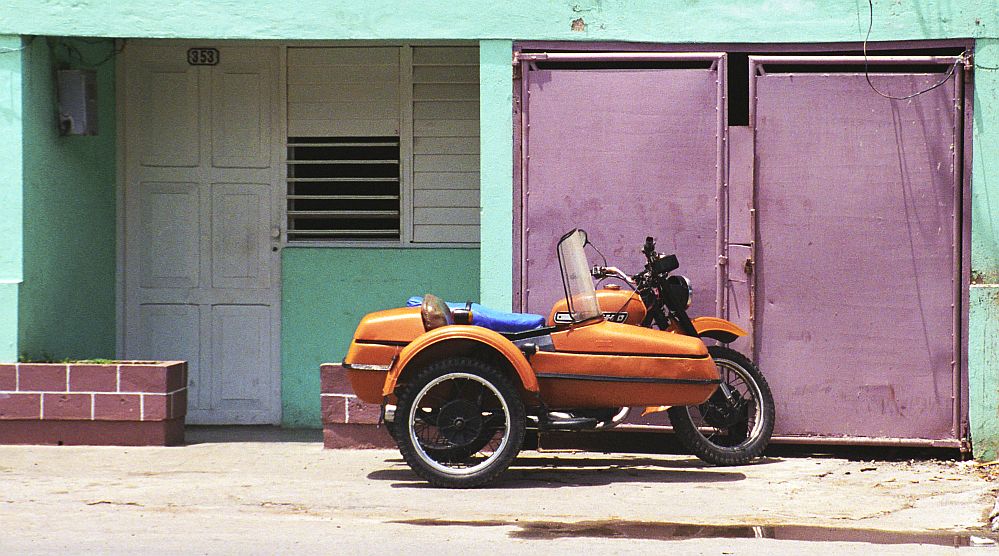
[(275, 238)]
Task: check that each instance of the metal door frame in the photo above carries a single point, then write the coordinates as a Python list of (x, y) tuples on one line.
[(525, 61), (962, 236)]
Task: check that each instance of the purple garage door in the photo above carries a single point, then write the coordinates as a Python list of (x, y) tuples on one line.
[(622, 153), (858, 202)]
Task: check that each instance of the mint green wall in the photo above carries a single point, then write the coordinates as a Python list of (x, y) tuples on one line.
[(10, 192), (67, 301), (325, 292), (633, 20), (496, 171), (983, 338)]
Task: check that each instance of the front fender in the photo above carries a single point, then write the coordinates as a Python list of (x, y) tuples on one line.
[(477, 334), (717, 329)]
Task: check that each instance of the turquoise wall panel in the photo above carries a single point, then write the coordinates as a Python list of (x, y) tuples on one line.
[(11, 179), (983, 318), (496, 171), (67, 301), (325, 292)]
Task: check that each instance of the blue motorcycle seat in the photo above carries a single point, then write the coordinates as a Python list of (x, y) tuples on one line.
[(498, 321)]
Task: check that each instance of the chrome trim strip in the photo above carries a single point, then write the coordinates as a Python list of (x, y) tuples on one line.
[(647, 380), (355, 367)]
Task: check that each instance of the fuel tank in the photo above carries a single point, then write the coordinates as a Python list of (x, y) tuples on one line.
[(617, 305)]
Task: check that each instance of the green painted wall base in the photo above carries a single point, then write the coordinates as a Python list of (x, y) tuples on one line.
[(983, 373), (67, 301), (8, 322), (325, 292)]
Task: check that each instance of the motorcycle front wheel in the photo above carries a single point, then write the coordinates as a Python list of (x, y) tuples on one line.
[(733, 427)]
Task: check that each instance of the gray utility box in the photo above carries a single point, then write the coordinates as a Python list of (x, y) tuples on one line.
[(77, 102)]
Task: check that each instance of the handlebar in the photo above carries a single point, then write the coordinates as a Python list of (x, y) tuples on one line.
[(611, 271), (658, 265)]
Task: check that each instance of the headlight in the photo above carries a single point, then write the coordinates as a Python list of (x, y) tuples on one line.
[(680, 290)]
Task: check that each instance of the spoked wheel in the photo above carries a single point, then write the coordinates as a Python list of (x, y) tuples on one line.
[(459, 423), (734, 426)]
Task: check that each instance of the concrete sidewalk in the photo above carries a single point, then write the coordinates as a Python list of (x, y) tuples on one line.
[(281, 492)]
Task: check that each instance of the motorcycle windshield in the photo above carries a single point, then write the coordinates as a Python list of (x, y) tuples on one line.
[(579, 293)]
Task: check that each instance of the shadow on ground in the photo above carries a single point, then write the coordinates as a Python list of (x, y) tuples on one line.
[(549, 471)]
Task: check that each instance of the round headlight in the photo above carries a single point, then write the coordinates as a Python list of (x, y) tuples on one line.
[(680, 290)]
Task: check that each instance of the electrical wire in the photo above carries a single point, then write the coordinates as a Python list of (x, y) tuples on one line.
[(867, 74), (27, 43), (73, 52)]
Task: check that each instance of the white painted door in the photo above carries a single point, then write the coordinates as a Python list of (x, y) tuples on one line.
[(201, 221)]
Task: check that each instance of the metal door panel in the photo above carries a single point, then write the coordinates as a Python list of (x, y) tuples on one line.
[(858, 252), (623, 154)]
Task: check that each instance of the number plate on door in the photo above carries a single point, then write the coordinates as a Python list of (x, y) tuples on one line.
[(203, 56)]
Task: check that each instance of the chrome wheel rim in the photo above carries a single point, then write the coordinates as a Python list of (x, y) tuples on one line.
[(741, 384), (441, 423)]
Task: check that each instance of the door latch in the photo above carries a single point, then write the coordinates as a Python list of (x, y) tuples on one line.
[(748, 267)]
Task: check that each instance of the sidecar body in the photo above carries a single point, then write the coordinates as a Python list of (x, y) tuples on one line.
[(598, 364), (584, 362)]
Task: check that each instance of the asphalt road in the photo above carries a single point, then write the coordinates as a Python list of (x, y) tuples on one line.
[(288, 495)]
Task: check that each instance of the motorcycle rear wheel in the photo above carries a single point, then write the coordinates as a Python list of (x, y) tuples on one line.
[(731, 429)]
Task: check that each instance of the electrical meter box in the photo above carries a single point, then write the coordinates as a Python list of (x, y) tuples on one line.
[(77, 90)]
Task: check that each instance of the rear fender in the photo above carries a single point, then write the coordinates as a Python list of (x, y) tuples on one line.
[(458, 339), (717, 329)]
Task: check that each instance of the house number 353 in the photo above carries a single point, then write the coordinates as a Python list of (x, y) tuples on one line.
[(203, 56)]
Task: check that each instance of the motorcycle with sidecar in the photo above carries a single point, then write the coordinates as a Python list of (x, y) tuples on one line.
[(460, 385)]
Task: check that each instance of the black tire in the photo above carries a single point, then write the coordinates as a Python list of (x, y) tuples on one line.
[(459, 422), (737, 430)]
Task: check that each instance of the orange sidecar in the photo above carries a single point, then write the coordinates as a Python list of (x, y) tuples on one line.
[(592, 364), (459, 386)]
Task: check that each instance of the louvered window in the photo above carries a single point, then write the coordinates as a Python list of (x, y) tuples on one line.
[(383, 145), (343, 188)]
